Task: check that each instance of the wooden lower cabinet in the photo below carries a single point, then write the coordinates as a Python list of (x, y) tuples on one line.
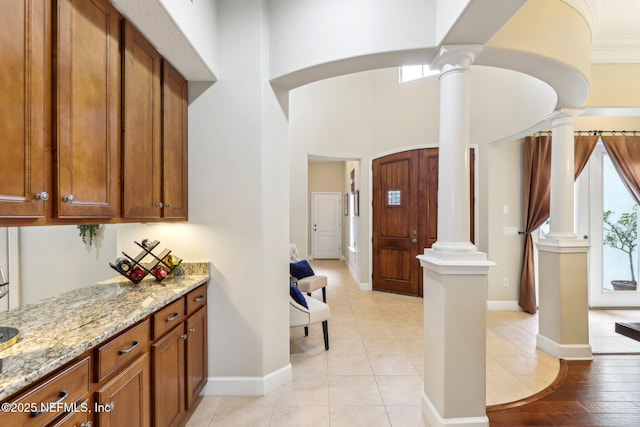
[(130, 379), (179, 368), (168, 378), (126, 399), (196, 354)]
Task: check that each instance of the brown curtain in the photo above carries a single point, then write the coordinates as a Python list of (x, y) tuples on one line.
[(537, 180), (624, 152), (537, 193), (582, 148)]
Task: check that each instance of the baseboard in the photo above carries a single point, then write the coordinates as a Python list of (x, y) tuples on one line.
[(365, 286), (432, 418), (248, 386), (564, 351), (361, 286), (503, 306)]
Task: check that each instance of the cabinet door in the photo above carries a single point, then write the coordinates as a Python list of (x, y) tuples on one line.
[(141, 122), (88, 106), (174, 144), (196, 354), (125, 400), (24, 100), (168, 378)]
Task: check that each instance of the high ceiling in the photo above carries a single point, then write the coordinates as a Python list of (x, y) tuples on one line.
[(616, 30)]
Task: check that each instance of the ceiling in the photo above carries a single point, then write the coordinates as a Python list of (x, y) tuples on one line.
[(616, 29)]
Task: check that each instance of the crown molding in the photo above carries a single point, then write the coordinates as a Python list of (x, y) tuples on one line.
[(616, 51)]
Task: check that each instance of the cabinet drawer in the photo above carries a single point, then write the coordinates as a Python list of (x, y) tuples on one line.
[(121, 349), (81, 417), (168, 317), (47, 400), (196, 299)]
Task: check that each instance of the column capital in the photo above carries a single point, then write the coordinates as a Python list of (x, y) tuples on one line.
[(564, 116), (455, 57)]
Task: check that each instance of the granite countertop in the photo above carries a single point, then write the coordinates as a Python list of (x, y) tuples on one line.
[(56, 330)]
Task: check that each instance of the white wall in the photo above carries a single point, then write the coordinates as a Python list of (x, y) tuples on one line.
[(310, 33), (54, 259)]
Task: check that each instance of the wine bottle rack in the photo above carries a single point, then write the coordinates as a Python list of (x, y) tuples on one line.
[(147, 262)]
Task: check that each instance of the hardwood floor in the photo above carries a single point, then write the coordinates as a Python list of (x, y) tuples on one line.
[(602, 392)]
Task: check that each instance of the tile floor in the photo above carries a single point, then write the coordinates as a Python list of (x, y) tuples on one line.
[(372, 374)]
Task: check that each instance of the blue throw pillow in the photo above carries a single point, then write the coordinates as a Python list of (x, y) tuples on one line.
[(300, 269), (297, 296)]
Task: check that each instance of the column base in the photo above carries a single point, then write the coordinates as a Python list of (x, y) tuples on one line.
[(455, 263), (432, 418), (563, 245), (564, 351), (454, 247)]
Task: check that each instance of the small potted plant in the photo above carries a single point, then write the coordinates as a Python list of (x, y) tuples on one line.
[(622, 235), (88, 231)]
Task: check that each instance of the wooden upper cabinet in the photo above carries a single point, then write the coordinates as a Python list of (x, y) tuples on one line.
[(87, 101), (174, 144), (142, 171), (24, 112)]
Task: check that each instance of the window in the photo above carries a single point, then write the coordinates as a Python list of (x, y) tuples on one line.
[(408, 73), (620, 232)]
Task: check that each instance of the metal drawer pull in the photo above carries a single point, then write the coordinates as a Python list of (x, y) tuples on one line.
[(63, 395), (200, 298), (135, 344), (172, 318)]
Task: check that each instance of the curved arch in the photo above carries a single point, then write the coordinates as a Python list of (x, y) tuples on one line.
[(571, 86)]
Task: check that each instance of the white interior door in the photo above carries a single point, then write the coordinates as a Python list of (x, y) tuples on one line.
[(325, 228)]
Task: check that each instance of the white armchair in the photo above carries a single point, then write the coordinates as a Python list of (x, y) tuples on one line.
[(317, 312), (310, 283)]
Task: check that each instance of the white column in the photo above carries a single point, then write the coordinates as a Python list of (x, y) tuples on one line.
[(455, 274), (563, 319), (453, 174), (562, 165)]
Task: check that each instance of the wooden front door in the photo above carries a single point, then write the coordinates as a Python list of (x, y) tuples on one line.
[(405, 214)]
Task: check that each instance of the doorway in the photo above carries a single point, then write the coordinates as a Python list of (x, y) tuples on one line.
[(326, 233), (613, 256), (405, 217)]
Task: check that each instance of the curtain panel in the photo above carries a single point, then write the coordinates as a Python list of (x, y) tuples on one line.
[(624, 152), (537, 181)]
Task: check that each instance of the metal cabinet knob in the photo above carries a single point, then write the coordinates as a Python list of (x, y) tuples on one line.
[(42, 196), (169, 205), (159, 204), (68, 198), (192, 330), (184, 337), (414, 241)]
